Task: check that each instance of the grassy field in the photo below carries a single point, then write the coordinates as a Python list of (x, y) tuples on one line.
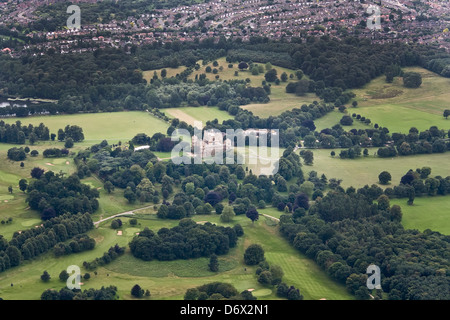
[(192, 114), (399, 108), (170, 280), (365, 170), (280, 101), (389, 105), (113, 126), (332, 118), (426, 213)]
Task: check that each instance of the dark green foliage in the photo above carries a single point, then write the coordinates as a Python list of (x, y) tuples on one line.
[(31, 243), (208, 291), (337, 225), (137, 291), (60, 195), (16, 154), (55, 153), (187, 240), (113, 253), (254, 254), (108, 293), (384, 177), (213, 263), (346, 121), (17, 133), (45, 276), (412, 79), (79, 243)]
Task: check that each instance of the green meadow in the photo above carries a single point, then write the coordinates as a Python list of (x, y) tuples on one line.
[(110, 126), (280, 101), (170, 280), (192, 114), (389, 105), (426, 213), (365, 170), (398, 108)]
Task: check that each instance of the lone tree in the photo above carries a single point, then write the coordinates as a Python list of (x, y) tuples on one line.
[(137, 291), (384, 177), (36, 172), (243, 66), (23, 184), (252, 214), (108, 186), (308, 156), (271, 75), (346, 121), (45, 276), (446, 113), (253, 255), (412, 79), (213, 263), (63, 276)]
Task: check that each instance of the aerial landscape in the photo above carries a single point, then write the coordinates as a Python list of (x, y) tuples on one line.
[(226, 150)]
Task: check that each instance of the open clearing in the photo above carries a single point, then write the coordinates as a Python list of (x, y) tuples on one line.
[(365, 170), (170, 280), (427, 213), (280, 101), (110, 126), (399, 108), (192, 114)]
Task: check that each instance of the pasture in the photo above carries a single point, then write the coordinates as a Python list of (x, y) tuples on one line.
[(365, 170), (426, 213), (280, 101), (192, 114), (398, 108), (170, 280), (110, 126)]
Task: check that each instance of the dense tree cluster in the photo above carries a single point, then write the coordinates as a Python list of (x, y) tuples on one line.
[(185, 241), (16, 154), (413, 264), (52, 195), (217, 291), (31, 243), (332, 66), (113, 253), (165, 95), (429, 141), (55, 153), (108, 293), (79, 243), (17, 133), (419, 183)]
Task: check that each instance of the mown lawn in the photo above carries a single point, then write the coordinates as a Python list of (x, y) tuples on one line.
[(110, 126), (170, 280), (192, 114), (365, 170), (399, 108), (426, 213)]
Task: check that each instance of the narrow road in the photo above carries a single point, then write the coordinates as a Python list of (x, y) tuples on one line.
[(120, 214), (273, 218)]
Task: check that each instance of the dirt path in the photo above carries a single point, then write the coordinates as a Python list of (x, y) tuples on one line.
[(181, 115), (131, 212)]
